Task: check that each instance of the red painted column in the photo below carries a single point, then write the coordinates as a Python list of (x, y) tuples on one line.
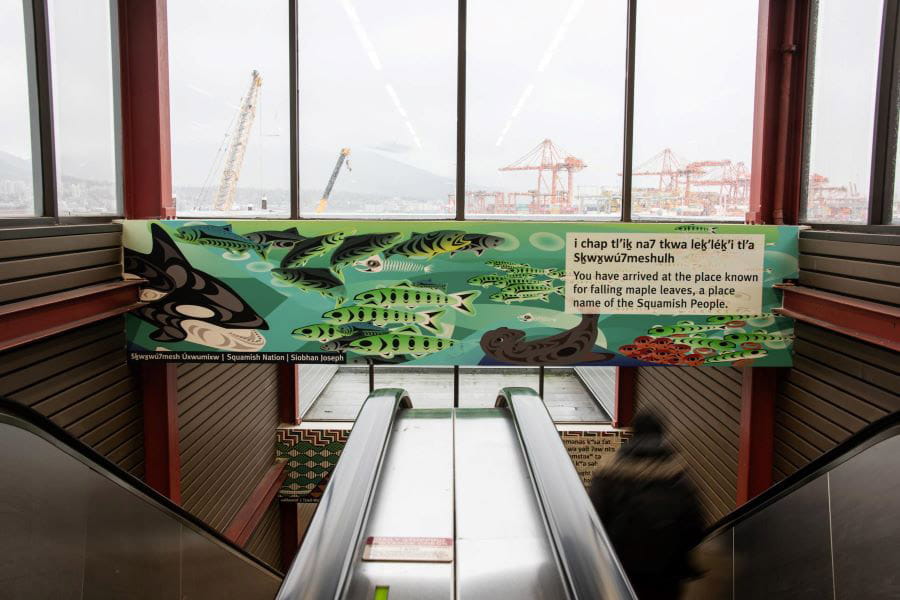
[(162, 462), (144, 50), (757, 437), (778, 111), (289, 393), (625, 379)]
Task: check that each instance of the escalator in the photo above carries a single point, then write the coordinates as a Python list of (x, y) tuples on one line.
[(455, 503), (73, 525), (830, 530)]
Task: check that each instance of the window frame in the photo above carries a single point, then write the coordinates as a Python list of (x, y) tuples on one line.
[(43, 140), (884, 135)]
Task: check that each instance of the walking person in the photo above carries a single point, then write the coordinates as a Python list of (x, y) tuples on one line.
[(650, 511)]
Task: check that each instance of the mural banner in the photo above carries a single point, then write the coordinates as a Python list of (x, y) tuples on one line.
[(460, 292)]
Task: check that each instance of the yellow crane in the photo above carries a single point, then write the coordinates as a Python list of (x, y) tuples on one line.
[(323, 203), (240, 135)]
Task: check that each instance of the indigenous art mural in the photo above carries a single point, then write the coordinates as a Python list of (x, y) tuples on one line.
[(460, 293)]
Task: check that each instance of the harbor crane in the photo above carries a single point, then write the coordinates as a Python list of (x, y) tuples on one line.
[(342, 157), (240, 135), (549, 160)]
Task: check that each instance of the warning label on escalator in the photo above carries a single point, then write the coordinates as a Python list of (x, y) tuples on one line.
[(408, 549)]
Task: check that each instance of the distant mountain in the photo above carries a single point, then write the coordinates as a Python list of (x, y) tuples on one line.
[(375, 173), (14, 168)]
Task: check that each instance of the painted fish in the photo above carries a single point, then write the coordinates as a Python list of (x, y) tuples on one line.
[(696, 228), (711, 343), (514, 280), (537, 286), (321, 332), (430, 244), (757, 337), (220, 237), (734, 356), (356, 247), (310, 247), (543, 294), (486, 280), (504, 265), (683, 328), (375, 264), (730, 318), (405, 294), (278, 239), (310, 279), (526, 270), (401, 341), (479, 242), (343, 344), (428, 319)]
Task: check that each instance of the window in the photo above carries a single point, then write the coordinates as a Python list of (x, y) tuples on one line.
[(693, 108), (844, 79), (545, 108), (230, 96), (81, 50), (377, 131), (17, 197)]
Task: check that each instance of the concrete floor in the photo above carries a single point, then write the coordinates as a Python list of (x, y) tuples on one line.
[(567, 399)]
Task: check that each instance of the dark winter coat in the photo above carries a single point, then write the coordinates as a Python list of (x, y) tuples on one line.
[(650, 512)]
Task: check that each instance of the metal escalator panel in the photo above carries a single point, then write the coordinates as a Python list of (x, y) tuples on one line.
[(321, 568), (73, 526), (588, 562), (407, 541), (502, 549)]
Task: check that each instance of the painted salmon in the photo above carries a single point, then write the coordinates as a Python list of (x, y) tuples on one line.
[(693, 228), (504, 265), (321, 332), (479, 242), (734, 356), (278, 239), (486, 280), (516, 280), (682, 329), (757, 337), (220, 237), (428, 319), (405, 294), (430, 244), (398, 342), (523, 271), (311, 247), (356, 247), (711, 343)]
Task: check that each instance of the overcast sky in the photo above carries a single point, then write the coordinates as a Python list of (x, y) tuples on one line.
[(380, 77)]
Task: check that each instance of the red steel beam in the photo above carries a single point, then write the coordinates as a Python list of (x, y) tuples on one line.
[(757, 436), (778, 111), (144, 56), (162, 461), (251, 513), (869, 321), (625, 378), (31, 320), (289, 393)]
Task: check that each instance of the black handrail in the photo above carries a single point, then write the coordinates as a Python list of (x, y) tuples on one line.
[(322, 566), (18, 415), (590, 564), (866, 437)]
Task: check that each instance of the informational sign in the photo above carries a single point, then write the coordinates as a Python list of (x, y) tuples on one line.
[(460, 293), (408, 549)]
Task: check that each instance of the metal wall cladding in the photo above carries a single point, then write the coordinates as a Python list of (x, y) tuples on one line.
[(838, 385), (701, 409), (227, 417), (867, 268), (265, 542), (36, 262), (79, 534), (313, 379), (82, 381)]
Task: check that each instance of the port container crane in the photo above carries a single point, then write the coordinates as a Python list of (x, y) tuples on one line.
[(240, 135), (342, 157)]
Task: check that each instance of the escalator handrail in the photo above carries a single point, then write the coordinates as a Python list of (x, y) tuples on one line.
[(866, 437), (27, 419), (590, 564), (322, 566)]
